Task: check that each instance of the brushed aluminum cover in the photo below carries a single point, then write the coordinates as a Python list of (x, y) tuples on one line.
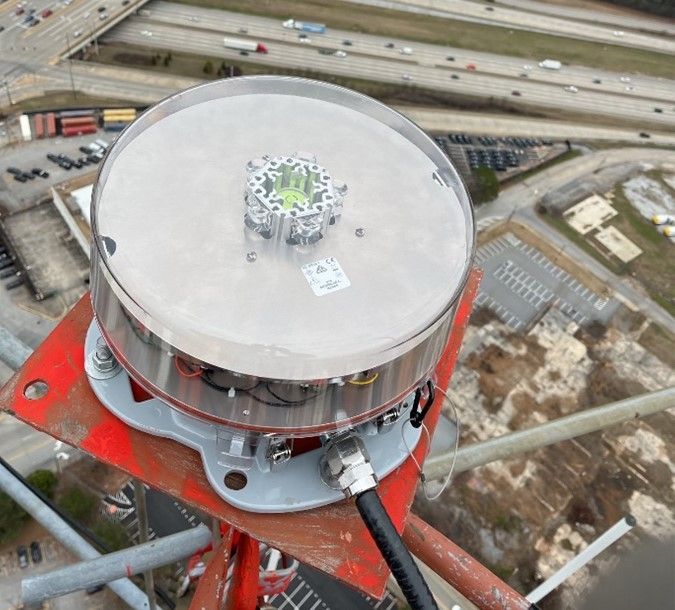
[(168, 224)]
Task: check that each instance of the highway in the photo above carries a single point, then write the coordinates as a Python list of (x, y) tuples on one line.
[(612, 16), (476, 12), (368, 58), (443, 57)]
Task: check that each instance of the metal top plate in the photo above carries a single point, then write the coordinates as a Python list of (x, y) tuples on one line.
[(168, 210)]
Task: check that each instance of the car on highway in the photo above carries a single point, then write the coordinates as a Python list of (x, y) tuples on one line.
[(629, 88), (103, 16), (193, 18), (305, 40), (244, 53), (471, 67), (2, 28), (125, 2), (516, 93), (454, 76), (449, 58), (347, 43), (77, 33), (597, 81), (618, 33), (406, 77), (571, 89), (524, 75), (146, 33), (243, 30), (659, 110), (625, 79), (340, 54), (101, 9), (38, 171), (35, 552), (22, 554), (389, 45), (303, 36), (644, 134), (527, 67)]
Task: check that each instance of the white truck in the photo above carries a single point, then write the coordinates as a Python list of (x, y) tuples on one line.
[(550, 64), (244, 45)]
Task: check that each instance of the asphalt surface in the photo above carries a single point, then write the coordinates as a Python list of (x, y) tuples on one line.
[(173, 26), (518, 202), (611, 16), (544, 22)]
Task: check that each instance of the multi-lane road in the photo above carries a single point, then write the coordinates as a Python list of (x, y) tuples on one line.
[(641, 99), (536, 21)]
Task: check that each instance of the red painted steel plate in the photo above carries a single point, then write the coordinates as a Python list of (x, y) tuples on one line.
[(331, 538)]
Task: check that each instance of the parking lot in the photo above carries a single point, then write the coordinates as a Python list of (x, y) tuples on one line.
[(520, 283), (53, 556), (26, 156), (500, 154)]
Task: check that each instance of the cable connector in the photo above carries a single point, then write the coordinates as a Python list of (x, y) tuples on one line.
[(347, 465)]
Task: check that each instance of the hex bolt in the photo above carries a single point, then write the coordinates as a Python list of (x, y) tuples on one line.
[(103, 352), (102, 358)]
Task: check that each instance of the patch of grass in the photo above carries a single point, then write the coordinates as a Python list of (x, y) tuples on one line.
[(565, 156), (462, 34), (64, 99), (192, 65), (659, 342), (653, 268), (573, 236)]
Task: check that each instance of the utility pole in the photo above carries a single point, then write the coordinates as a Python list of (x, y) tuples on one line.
[(142, 511)]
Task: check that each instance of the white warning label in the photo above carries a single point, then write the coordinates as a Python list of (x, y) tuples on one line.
[(325, 276)]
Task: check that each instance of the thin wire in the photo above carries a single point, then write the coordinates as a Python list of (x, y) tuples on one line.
[(454, 456), (184, 373)]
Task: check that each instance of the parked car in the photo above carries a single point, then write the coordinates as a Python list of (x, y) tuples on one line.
[(46, 13), (28, 175), (14, 170), (22, 554), (35, 552), (19, 178), (101, 9), (52, 157), (38, 171)]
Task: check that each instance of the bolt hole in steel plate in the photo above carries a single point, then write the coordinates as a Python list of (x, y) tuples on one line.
[(235, 480), (35, 389), (173, 269)]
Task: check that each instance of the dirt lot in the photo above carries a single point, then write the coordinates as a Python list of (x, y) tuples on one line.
[(525, 517)]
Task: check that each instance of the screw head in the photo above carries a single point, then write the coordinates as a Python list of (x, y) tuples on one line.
[(251, 256), (360, 232)]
